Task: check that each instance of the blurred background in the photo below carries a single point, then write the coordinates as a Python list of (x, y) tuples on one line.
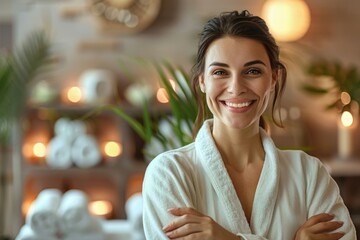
[(73, 57)]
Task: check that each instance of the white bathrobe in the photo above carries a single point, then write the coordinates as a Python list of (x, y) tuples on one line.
[(293, 186)]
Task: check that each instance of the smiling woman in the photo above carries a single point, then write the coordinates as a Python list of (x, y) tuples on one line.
[(232, 182)]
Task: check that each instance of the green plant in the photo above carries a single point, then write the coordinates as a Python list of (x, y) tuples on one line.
[(17, 72), (170, 127), (333, 78)]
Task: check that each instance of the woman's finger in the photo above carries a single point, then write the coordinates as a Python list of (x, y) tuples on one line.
[(183, 211), (184, 230), (180, 221), (326, 226), (330, 236), (322, 217)]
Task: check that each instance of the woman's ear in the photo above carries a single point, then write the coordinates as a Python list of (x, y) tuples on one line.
[(202, 83)]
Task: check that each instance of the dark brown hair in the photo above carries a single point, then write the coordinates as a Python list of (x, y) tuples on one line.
[(236, 24)]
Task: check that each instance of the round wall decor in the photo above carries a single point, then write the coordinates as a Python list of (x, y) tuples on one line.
[(126, 16)]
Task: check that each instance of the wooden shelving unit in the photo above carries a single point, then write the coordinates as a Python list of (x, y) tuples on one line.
[(107, 180)]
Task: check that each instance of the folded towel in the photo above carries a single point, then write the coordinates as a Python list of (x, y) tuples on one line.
[(74, 213), (59, 153), (117, 229), (85, 151), (26, 233), (97, 85), (69, 128), (42, 216), (94, 231), (134, 212)]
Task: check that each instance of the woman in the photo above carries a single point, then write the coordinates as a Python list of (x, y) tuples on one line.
[(232, 182)]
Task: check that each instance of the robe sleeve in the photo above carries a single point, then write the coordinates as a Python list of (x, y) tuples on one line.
[(167, 184), (323, 196)]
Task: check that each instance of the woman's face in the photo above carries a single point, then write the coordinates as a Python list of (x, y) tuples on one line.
[(237, 80)]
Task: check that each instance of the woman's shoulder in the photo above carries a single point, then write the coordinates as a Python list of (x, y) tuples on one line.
[(299, 159), (179, 159)]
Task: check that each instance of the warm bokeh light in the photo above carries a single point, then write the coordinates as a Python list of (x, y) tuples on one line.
[(74, 94), (101, 208), (288, 20), (27, 150), (345, 98), (162, 95), (39, 150), (26, 206), (347, 119), (112, 149)]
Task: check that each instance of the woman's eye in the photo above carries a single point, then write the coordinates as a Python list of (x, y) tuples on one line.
[(219, 72), (253, 71)]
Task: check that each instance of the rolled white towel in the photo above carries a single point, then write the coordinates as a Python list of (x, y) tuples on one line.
[(97, 85), (26, 233), (117, 229), (134, 212), (42, 216), (94, 231), (74, 213), (78, 127), (85, 151), (63, 127), (69, 128), (59, 153)]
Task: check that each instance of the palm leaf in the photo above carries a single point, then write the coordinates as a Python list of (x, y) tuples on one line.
[(18, 71)]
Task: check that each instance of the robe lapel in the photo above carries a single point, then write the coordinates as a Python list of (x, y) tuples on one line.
[(215, 169), (267, 189)]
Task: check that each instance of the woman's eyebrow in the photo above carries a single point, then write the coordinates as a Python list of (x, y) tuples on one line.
[(219, 64), (254, 62)]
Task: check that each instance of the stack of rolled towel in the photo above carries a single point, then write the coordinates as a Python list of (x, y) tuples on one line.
[(54, 216), (72, 145), (57, 216)]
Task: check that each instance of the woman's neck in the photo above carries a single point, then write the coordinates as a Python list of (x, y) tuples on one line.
[(239, 148)]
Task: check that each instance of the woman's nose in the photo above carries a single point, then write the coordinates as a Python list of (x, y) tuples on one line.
[(237, 86)]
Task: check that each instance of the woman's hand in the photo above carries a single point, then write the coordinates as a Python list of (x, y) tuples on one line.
[(190, 224), (320, 227)]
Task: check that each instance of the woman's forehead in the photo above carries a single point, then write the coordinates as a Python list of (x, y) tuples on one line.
[(236, 50)]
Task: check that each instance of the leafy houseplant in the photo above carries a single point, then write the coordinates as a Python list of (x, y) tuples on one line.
[(169, 127), (17, 71), (338, 79)]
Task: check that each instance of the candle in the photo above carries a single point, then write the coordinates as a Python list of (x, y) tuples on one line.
[(345, 135)]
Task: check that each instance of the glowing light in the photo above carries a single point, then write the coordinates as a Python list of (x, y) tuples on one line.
[(26, 206), (162, 95), (101, 208), (347, 119), (345, 98), (288, 20), (112, 149), (74, 94), (39, 150)]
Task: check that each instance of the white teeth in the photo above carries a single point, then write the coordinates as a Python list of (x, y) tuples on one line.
[(238, 105)]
